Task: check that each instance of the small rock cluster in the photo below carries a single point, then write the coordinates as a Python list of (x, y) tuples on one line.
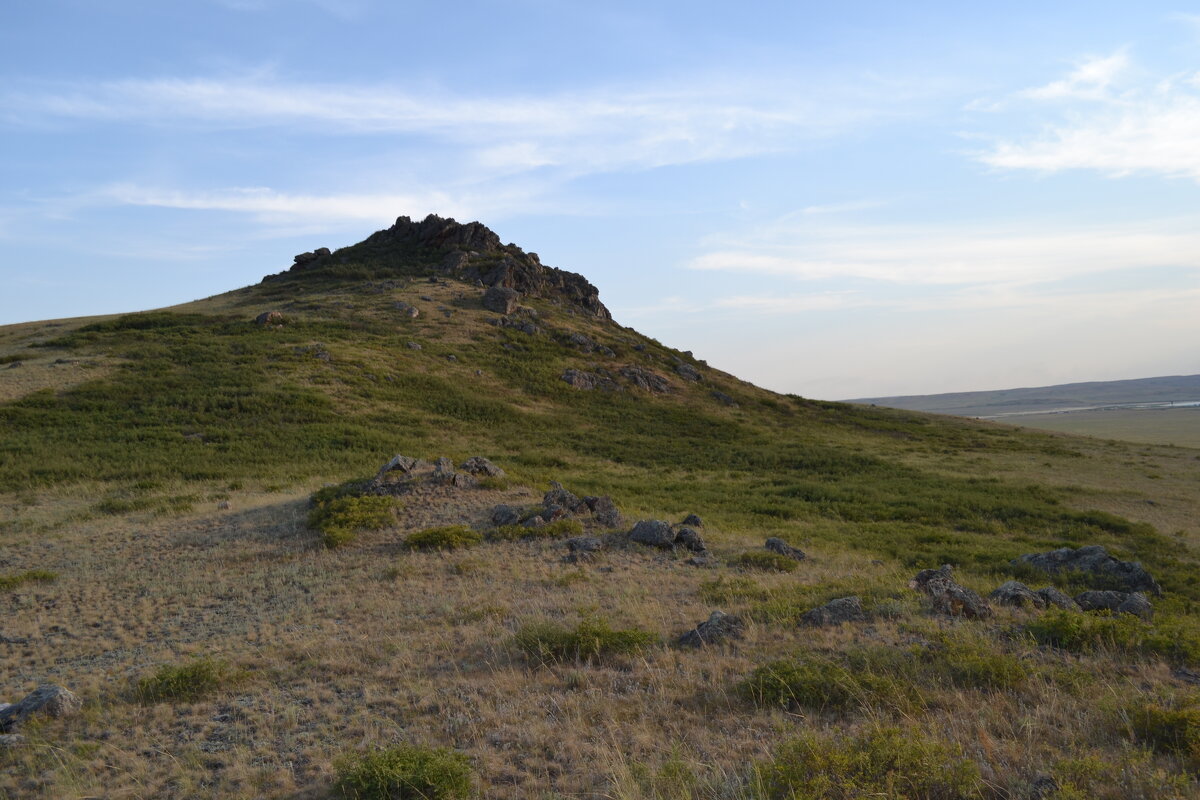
[(404, 473), (559, 503), (657, 533), (947, 597)]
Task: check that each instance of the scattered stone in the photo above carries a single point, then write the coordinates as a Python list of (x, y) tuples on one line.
[(701, 561), (588, 380), (534, 522), (693, 520), (689, 539), (10, 740), (1043, 787), (399, 463), (1117, 602), (1015, 593), (947, 597), (687, 372), (516, 323), (414, 346), (478, 465), (1186, 675), (268, 318), (505, 515), (426, 298), (1095, 560), (501, 300), (723, 398), (11, 640), (16, 365), (777, 545), (835, 612), (645, 379), (604, 511), (46, 700), (452, 357), (223, 505), (461, 480), (653, 532), (582, 548), (407, 310), (1058, 598), (717, 628)]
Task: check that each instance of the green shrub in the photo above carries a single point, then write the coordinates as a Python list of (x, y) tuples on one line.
[(560, 527), (11, 582), (1175, 638), (449, 537), (492, 482), (823, 683), (592, 638), (186, 682), (341, 517), (1174, 729), (766, 560), (886, 762), (404, 772)]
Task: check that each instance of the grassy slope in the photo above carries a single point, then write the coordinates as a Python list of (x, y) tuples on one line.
[(112, 480)]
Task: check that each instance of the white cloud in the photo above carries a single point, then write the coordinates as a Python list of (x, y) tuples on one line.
[(1150, 128), (1090, 79), (931, 255)]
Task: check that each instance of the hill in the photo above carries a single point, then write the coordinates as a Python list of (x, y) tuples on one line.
[(1163, 410), (198, 540)]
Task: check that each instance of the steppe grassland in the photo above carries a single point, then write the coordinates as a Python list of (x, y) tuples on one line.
[(348, 649)]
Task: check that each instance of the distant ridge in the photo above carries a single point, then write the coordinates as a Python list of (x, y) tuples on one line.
[(1047, 399)]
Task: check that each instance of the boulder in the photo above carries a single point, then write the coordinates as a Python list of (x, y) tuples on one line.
[(501, 300), (653, 532), (777, 545), (505, 515), (268, 318), (693, 520), (414, 346), (461, 480), (645, 379), (604, 511), (723, 398), (582, 548), (10, 740), (443, 468), (478, 465), (534, 522), (687, 372), (689, 539), (558, 496), (718, 627), (47, 700), (399, 463), (553, 512), (947, 597), (1117, 602), (1058, 598), (1129, 576), (407, 310), (1015, 593), (588, 380), (835, 612)]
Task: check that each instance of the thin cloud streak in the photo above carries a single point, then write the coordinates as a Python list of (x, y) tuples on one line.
[(956, 256)]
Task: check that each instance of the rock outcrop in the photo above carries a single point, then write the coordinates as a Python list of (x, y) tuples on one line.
[(1015, 593), (1117, 602), (718, 627), (1128, 576), (947, 597), (777, 545), (835, 612)]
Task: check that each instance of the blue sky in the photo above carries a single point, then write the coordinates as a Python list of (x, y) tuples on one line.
[(837, 200)]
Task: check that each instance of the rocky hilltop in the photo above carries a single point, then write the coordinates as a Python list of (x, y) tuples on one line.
[(443, 246)]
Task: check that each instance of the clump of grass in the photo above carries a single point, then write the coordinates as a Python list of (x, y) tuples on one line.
[(766, 560), (884, 677), (1172, 637), (785, 604), (341, 518), (407, 771), (591, 639), (10, 582), (558, 528), (186, 682), (1172, 729), (493, 482), (448, 537), (885, 762)]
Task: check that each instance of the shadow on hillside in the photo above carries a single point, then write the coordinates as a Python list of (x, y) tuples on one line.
[(282, 525)]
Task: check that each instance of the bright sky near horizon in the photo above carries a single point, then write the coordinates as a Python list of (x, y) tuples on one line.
[(833, 199)]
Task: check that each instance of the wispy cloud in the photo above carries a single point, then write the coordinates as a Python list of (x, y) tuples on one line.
[(1148, 128), (931, 255)]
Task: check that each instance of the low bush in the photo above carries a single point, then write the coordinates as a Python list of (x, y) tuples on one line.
[(886, 762), (560, 527), (449, 537), (1174, 638), (186, 683), (10, 582), (766, 560), (404, 772), (824, 683), (591, 639), (1173, 729), (341, 518)]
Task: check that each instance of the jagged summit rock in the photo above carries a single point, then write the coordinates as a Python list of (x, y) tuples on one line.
[(470, 252)]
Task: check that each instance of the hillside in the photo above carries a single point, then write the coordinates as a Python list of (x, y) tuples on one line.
[(230, 634)]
